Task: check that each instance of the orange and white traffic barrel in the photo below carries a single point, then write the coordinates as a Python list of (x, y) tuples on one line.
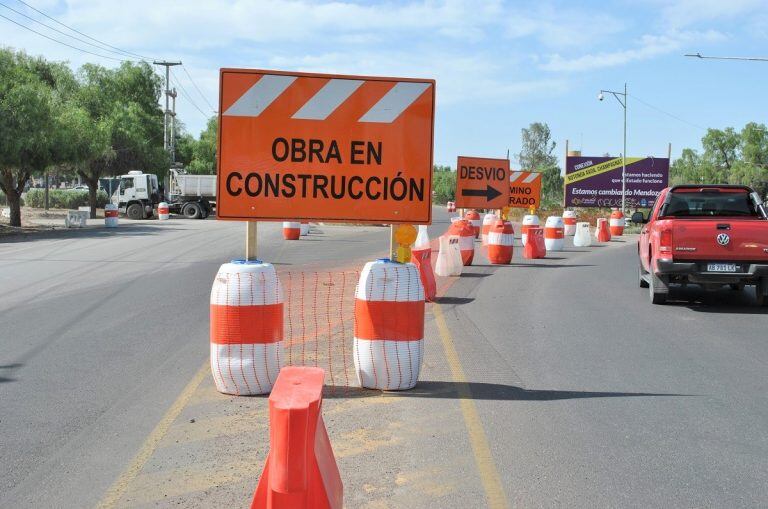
[(554, 233), (450, 206), (582, 237), (291, 230), (163, 214), (110, 215), (246, 327), (602, 233), (535, 246), (463, 229), (389, 326), (569, 222), (488, 221), (500, 239), (304, 228), (474, 219), (529, 221), (617, 223)]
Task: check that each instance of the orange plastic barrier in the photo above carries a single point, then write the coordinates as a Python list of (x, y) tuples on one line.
[(535, 247), (617, 223), (529, 221), (421, 256), (463, 229), (500, 242), (474, 219), (602, 233), (291, 230), (301, 471)]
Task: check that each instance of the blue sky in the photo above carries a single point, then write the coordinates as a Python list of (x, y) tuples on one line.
[(499, 65)]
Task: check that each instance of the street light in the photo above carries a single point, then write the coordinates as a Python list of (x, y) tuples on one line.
[(752, 59), (623, 103)]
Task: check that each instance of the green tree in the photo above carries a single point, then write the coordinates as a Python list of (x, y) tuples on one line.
[(203, 161), (443, 184), (30, 103), (127, 122), (537, 154), (728, 157)]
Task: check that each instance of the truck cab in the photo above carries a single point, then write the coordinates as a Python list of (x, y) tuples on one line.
[(137, 195)]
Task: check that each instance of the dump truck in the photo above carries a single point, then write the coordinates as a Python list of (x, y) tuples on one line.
[(192, 196)]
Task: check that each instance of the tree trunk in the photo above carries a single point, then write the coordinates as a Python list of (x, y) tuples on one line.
[(46, 190), (14, 203), (92, 199)]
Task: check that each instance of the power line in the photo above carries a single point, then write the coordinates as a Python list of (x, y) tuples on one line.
[(186, 94), (135, 55), (198, 89), (61, 42), (667, 113), (60, 32)]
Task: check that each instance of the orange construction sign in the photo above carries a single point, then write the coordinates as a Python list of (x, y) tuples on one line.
[(524, 189), (324, 147), (481, 183)]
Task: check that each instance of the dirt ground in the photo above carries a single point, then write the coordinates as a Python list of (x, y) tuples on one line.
[(34, 220)]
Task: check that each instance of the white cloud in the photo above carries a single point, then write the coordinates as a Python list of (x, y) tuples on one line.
[(649, 46), (685, 13)]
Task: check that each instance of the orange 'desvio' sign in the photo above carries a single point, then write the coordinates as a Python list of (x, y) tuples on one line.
[(481, 183), (325, 147)]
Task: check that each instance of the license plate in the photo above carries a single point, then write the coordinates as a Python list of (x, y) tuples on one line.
[(721, 267)]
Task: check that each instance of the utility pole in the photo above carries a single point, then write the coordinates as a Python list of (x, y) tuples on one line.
[(168, 94), (173, 126)]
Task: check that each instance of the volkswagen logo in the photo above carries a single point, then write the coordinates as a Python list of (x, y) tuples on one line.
[(723, 239)]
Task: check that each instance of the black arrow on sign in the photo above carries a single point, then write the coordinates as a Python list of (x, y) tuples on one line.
[(489, 192)]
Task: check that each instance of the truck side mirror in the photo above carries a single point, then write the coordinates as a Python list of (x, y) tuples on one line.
[(638, 218)]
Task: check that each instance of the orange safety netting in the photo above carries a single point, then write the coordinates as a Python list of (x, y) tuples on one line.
[(319, 322)]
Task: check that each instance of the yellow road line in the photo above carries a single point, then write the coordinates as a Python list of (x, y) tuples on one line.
[(494, 492), (118, 489)]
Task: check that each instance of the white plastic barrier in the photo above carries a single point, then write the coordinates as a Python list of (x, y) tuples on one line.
[(389, 326), (582, 238), (76, 219), (449, 261), (304, 229), (246, 327)]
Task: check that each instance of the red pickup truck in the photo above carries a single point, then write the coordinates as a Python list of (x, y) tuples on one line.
[(711, 235)]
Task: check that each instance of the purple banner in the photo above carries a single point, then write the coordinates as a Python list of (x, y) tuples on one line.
[(596, 181)]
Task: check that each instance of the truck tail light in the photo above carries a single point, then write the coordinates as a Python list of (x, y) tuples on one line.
[(665, 243)]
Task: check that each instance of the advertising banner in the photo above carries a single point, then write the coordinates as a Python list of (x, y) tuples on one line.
[(596, 181)]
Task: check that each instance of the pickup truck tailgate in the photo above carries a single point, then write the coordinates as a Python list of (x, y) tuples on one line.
[(720, 240)]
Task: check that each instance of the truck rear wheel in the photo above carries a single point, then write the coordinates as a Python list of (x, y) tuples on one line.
[(657, 288), (192, 211), (135, 211)]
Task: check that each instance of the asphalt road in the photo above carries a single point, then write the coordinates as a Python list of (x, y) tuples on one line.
[(582, 392)]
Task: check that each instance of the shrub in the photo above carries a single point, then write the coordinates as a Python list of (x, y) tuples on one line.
[(64, 199)]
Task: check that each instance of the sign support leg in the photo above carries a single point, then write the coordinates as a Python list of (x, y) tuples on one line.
[(392, 243), (250, 240)]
